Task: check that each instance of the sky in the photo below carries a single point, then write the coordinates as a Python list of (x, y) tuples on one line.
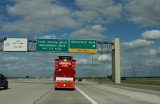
[(135, 22)]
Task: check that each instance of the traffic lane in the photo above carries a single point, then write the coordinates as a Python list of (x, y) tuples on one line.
[(103, 94), (24, 91), (63, 96)]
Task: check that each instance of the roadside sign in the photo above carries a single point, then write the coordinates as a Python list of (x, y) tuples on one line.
[(83, 46), (15, 44), (52, 36), (52, 45)]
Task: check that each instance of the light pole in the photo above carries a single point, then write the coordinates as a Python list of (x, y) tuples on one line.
[(107, 74), (91, 22), (92, 66), (133, 72)]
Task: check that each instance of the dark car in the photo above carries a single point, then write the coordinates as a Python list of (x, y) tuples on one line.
[(27, 76), (109, 77), (79, 79), (123, 78), (3, 81)]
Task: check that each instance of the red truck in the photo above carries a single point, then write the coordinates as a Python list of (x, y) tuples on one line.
[(64, 73)]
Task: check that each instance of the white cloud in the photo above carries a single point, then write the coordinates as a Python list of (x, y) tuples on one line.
[(144, 12), (11, 65), (42, 37), (151, 35), (137, 44), (97, 59), (89, 32), (10, 58), (152, 63), (82, 61), (36, 16), (147, 53), (104, 58), (100, 11), (47, 58), (98, 28), (158, 52), (146, 59), (12, 62)]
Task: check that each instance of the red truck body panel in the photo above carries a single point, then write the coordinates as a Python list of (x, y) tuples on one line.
[(64, 84), (64, 73)]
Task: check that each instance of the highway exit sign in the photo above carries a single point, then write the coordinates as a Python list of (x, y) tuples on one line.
[(83, 46), (52, 45)]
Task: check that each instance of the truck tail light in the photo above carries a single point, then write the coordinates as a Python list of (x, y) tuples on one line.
[(73, 64), (56, 63)]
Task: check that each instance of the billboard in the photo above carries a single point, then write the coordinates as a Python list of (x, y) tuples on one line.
[(15, 44)]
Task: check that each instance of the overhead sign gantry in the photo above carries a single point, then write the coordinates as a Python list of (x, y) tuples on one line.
[(63, 45)]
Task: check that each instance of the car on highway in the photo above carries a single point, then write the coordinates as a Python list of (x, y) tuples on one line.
[(79, 79), (3, 81), (123, 78)]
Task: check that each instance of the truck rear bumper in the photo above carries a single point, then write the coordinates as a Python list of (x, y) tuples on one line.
[(64, 84)]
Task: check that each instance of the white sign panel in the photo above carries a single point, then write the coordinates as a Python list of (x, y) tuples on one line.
[(64, 78), (15, 44)]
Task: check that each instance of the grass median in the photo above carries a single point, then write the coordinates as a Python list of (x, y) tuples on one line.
[(143, 81)]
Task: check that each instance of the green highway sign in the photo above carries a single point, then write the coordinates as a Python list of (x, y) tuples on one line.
[(52, 45), (83, 46)]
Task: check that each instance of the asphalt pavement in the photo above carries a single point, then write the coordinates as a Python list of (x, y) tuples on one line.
[(41, 91)]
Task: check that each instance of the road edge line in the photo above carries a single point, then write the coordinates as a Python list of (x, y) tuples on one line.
[(90, 99)]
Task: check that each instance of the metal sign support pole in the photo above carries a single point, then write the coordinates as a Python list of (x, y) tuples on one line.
[(92, 66), (116, 61)]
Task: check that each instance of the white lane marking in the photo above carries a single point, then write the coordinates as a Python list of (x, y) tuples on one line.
[(42, 96), (90, 99)]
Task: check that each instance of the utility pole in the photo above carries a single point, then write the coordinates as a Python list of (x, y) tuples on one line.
[(133, 71), (107, 74), (124, 73), (151, 73)]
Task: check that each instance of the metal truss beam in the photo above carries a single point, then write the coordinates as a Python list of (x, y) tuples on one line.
[(1, 45), (104, 46)]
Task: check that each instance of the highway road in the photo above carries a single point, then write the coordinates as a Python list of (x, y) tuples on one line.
[(41, 91)]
